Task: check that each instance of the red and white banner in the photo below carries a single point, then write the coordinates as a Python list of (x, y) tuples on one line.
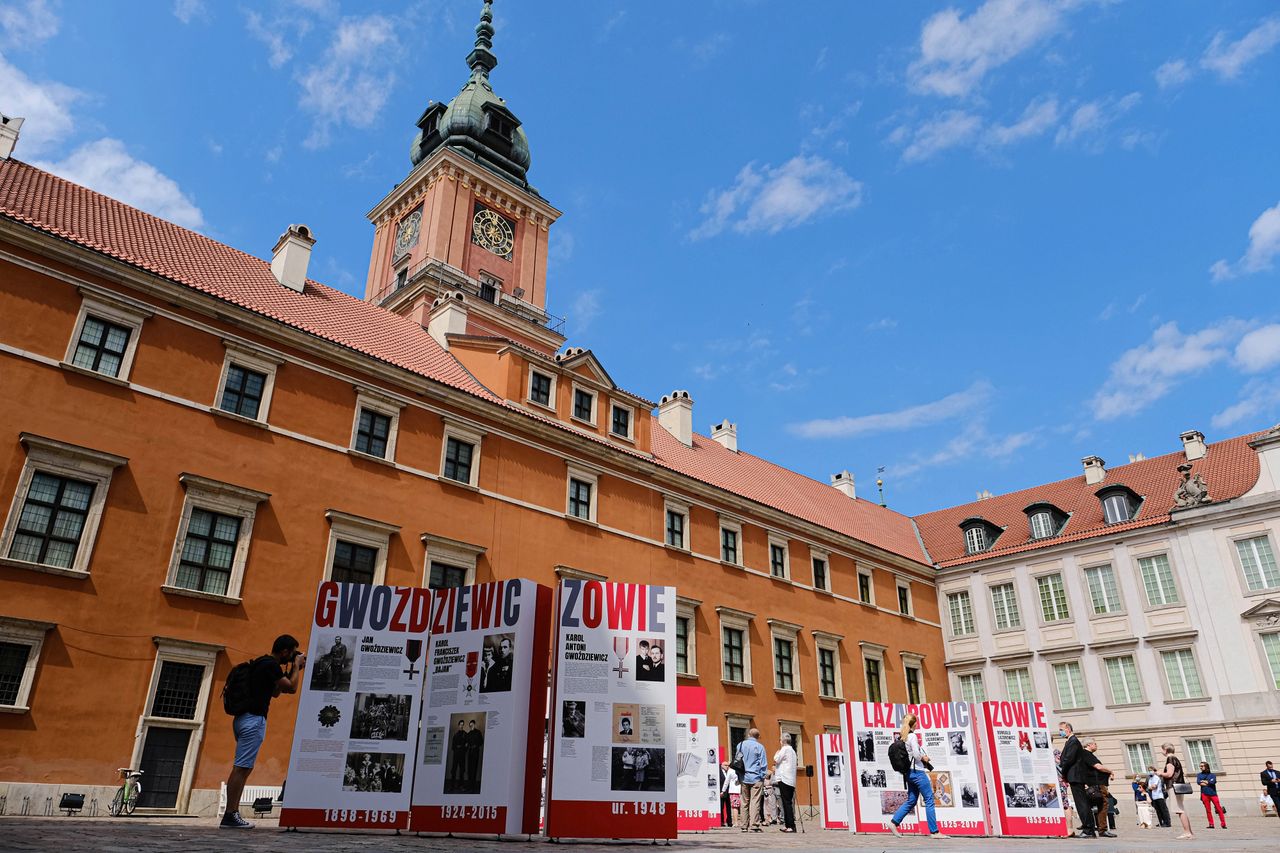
[(353, 742), (480, 747), (1018, 754), (613, 736), (697, 766), (876, 790), (833, 790)]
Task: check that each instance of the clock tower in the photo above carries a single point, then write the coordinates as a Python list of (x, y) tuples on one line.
[(466, 220)]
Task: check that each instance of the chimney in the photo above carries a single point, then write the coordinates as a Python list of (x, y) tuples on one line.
[(1193, 444), (448, 317), (291, 255), (9, 128), (726, 435), (844, 482), (675, 415), (1095, 470)]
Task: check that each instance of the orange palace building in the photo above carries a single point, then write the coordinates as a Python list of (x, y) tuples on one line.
[(192, 438)]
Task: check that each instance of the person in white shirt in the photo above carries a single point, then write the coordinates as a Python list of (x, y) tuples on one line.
[(784, 774), (729, 789), (1155, 789), (918, 785)]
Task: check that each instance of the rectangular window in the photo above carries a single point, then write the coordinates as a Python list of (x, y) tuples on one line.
[(1004, 604), (102, 346), (1201, 749), (1138, 756), (1181, 673), (354, 563), (540, 389), (13, 665), (621, 422), (827, 672), (177, 690), (1157, 580), (1258, 562), (208, 552), (1053, 598), (372, 433), (1017, 683), (961, 613), (675, 528), (457, 460), (913, 685), (819, 573), (682, 644), (729, 545), (1103, 592), (579, 498), (864, 588), (1271, 646), (778, 560), (872, 667), (972, 689), (904, 600), (1122, 676), (446, 577), (584, 405), (783, 664), (52, 520), (733, 648), (1070, 681), (242, 392)]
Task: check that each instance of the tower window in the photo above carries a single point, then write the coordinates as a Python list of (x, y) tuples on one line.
[(501, 126)]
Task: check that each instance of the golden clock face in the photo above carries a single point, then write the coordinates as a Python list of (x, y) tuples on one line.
[(407, 235), (490, 231)]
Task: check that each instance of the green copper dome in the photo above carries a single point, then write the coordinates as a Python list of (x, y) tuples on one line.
[(477, 123)]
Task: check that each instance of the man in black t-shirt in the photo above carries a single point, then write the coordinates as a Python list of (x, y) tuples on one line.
[(268, 678)]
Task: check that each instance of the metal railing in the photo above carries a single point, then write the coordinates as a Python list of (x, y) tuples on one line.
[(455, 279)]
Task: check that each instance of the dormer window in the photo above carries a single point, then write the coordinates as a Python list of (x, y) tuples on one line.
[(979, 535), (975, 540), (501, 126), (489, 288), (1119, 504), (1046, 520)]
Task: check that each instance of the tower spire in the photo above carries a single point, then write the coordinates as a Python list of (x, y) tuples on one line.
[(481, 60)]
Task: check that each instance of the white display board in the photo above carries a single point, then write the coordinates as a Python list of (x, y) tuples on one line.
[(697, 762), (479, 757), (1021, 769), (353, 742), (948, 734), (613, 739), (834, 788)]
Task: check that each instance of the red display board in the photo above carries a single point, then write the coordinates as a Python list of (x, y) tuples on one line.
[(697, 764), (1018, 754)]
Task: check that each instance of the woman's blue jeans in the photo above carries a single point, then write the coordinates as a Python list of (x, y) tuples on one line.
[(918, 786)]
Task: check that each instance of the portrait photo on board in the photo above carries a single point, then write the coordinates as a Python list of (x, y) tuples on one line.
[(331, 671), (1018, 795), (497, 660), (866, 746), (833, 765), (374, 772), (1042, 740), (969, 795), (958, 742), (381, 716), (464, 758), (873, 779), (651, 660), (573, 721), (637, 768)]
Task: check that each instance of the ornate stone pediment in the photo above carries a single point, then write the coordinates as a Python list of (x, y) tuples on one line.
[(1264, 614)]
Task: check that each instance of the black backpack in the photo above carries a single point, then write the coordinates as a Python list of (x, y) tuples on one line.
[(236, 697), (899, 758)]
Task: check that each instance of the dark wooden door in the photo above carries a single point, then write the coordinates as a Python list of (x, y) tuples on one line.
[(163, 756)]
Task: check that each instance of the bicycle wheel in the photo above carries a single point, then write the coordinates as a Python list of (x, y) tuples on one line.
[(117, 803), (132, 802)]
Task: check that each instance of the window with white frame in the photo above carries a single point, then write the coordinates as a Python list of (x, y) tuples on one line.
[(971, 687), (827, 647), (58, 506), (1157, 580), (1182, 674), (173, 718), (915, 685), (1258, 562), (1017, 684), (584, 405), (1271, 648), (460, 454), (961, 610), (873, 670), (686, 635), (620, 421), (449, 562), (975, 539), (796, 730), (1053, 598), (1138, 756), (904, 597), (105, 337), (20, 643), (1104, 594), (730, 542), (1004, 606), (358, 548), (779, 557), (735, 651), (248, 381), (542, 389), (1042, 525), (583, 493), (211, 549), (785, 637), (1069, 679), (1117, 508), (376, 425), (866, 588), (821, 569), (1122, 677), (1201, 749), (676, 527)]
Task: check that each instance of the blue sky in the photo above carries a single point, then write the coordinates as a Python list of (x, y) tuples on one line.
[(969, 242)]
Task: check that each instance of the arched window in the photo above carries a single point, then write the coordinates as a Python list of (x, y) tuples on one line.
[(975, 539), (1119, 504)]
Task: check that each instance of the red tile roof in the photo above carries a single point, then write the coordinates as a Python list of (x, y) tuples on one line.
[(86, 218), (1229, 468)]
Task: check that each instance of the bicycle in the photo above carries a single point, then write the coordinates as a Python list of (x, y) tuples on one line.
[(126, 799)]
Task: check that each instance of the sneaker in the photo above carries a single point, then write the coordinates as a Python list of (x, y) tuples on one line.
[(1107, 834), (893, 827), (234, 821)]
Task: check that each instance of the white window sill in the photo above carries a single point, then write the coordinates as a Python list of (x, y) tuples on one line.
[(788, 692), (546, 407), (839, 699), (195, 593), (693, 676), (457, 484), (580, 520), (15, 709), (1142, 704), (223, 413), (727, 683), (577, 419), (677, 548), (40, 567), (1190, 701), (369, 457), (732, 565), (629, 439), (84, 371)]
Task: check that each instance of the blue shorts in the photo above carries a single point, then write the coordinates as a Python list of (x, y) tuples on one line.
[(250, 729)]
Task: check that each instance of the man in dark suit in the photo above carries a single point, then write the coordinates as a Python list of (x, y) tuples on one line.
[(499, 680), (1078, 775), (1270, 779), (475, 753), (458, 758)]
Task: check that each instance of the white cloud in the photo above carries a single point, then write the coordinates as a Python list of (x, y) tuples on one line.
[(1228, 59), (883, 324), (771, 199), (1259, 399), (1089, 121), (1259, 350), (1036, 119), (188, 10), (951, 406), (1173, 73), (351, 85), (1149, 371), (957, 52), (949, 129), (26, 25), (1264, 247), (45, 106), (975, 442), (107, 167), (585, 309), (278, 50)]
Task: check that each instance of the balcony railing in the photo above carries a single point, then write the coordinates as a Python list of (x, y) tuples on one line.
[(453, 278)]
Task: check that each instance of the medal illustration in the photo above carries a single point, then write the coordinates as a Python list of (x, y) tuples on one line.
[(625, 643)]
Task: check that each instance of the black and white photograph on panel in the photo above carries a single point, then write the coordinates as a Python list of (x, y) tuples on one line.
[(651, 660), (374, 772), (464, 758), (331, 671), (497, 659), (573, 720), (638, 768), (381, 716), (958, 742)]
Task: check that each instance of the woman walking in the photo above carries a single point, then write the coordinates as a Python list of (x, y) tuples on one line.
[(1208, 782), (917, 780)]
